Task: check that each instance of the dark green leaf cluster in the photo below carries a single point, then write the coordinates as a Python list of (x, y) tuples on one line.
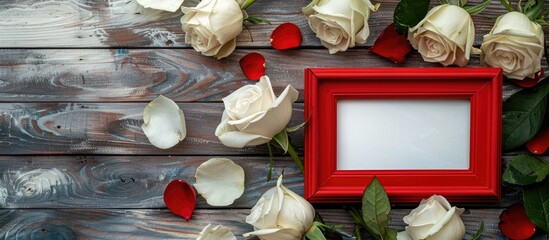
[(523, 115), (531, 173)]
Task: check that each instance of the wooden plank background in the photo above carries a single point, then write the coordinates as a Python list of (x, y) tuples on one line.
[(75, 76)]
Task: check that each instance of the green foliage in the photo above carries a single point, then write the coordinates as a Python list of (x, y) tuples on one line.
[(523, 116), (247, 4), (525, 170), (408, 13), (474, 9), (536, 204), (375, 211), (257, 20), (478, 234), (534, 9)]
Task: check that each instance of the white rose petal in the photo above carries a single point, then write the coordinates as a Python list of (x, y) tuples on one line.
[(280, 214), (166, 5), (253, 115), (446, 35), (404, 236), (515, 44), (164, 123), (217, 232), (434, 219), (220, 181), (339, 24), (212, 26)]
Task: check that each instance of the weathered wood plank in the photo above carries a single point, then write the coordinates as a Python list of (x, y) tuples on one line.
[(127, 75), (122, 181), (161, 224), (139, 182), (123, 23), (109, 128)]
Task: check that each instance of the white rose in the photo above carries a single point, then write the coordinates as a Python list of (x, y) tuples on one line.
[(253, 115), (212, 26), (280, 214), (446, 35), (339, 24), (515, 44), (434, 219)]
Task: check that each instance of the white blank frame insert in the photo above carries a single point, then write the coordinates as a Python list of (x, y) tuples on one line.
[(403, 134)]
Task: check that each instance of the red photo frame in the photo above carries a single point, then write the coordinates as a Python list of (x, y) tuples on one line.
[(324, 183)]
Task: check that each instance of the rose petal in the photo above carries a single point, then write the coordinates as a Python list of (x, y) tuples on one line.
[(253, 65), (514, 223), (540, 143), (529, 82), (166, 5), (216, 232), (404, 236), (391, 45), (180, 198), (275, 234), (164, 123), (286, 36), (220, 181)]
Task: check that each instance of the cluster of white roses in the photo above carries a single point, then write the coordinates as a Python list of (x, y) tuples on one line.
[(447, 33)]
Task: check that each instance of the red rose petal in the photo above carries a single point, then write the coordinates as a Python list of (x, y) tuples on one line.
[(180, 198), (253, 65), (391, 45), (286, 36), (540, 143), (514, 223), (529, 82)]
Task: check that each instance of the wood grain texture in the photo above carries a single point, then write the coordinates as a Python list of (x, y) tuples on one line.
[(111, 128), (123, 23), (122, 181), (128, 75), (161, 224), (139, 181)]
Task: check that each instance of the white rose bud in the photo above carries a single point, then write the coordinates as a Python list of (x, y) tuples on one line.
[(212, 26), (253, 115), (434, 219), (339, 24), (446, 35), (280, 214), (515, 44)]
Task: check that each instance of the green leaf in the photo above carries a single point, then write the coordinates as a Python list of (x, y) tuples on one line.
[(314, 233), (295, 128), (478, 234), (391, 234), (523, 116), (408, 13), (270, 173), (507, 5), (459, 3), (247, 4), (534, 9), (525, 170), (282, 140), (375, 209), (474, 9), (257, 20), (536, 203), (356, 232), (296, 158)]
